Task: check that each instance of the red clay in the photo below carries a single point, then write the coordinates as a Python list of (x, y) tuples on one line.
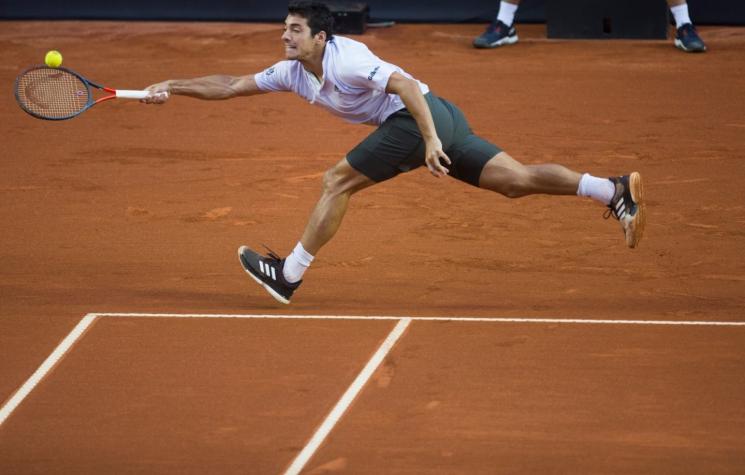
[(141, 208)]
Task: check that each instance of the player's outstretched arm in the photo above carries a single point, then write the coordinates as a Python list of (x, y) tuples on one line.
[(217, 87)]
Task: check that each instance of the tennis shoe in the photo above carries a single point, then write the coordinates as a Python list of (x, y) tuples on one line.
[(267, 272), (687, 39), (628, 207), (496, 34)]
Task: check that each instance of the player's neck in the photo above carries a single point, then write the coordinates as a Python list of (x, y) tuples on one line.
[(314, 63)]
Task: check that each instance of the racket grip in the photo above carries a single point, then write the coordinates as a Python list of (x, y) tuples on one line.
[(127, 94)]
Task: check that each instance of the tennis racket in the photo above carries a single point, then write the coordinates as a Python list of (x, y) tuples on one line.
[(60, 93)]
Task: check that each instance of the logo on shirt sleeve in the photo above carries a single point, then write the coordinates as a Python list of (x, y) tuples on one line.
[(372, 73)]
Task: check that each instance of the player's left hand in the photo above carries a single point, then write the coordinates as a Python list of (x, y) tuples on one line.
[(436, 159)]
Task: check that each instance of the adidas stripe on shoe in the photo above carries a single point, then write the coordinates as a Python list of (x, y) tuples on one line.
[(267, 272)]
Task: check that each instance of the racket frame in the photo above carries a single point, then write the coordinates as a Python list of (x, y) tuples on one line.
[(113, 93)]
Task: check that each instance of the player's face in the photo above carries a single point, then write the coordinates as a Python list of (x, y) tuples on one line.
[(299, 43)]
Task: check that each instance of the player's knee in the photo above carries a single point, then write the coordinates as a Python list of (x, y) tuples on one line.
[(335, 181), (507, 183), (513, 190), (517, 187)]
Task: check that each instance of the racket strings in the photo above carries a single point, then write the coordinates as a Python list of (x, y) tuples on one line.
[(52, 93)]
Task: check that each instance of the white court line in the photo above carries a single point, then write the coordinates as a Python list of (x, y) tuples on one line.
[(12, 403), (574, 321), (45, 367), (341, 406)]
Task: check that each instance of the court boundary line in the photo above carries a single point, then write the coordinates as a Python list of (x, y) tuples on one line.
[(49, 363), (85, 323), (573, 321), (347, 398)]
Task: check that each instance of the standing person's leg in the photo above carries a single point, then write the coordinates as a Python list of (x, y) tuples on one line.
[(501, 31), (686, 36)]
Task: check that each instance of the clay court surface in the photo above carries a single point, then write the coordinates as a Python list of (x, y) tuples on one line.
[(137, 209)]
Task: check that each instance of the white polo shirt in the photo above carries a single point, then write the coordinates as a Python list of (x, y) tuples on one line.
[(353, 83)]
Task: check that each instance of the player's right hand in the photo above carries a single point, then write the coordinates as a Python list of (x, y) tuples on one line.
[(159, 93), (435, 158)]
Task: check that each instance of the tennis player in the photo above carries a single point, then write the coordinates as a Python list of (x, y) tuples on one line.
[(414, 128)]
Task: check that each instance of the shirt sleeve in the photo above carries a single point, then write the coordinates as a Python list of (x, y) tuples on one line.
[(274, 78)]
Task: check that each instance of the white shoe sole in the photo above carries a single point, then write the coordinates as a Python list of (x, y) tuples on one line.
[(271, 291), (509, 40)]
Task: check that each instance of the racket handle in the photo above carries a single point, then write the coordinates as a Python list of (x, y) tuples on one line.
[(127, 94)]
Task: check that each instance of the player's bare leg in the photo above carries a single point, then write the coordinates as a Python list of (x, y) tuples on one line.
[(339, 184), (281, 277), (622, 195), (511, 178)]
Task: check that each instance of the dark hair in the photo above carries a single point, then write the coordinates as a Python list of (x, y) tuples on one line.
[(317, 14)]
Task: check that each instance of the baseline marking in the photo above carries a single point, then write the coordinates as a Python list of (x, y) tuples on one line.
[(574, 321), (46, 366), (351, 393)]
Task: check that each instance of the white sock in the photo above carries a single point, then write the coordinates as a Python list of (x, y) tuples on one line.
[(506, 13), (680, 12), (600, 189), (296, 264)]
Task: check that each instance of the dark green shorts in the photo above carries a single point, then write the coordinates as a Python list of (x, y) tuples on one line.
[(397, 146)]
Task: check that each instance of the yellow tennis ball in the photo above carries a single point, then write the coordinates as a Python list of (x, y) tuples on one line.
[(53, 59)]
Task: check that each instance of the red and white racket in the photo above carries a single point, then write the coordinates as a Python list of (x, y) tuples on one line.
[(60, 93)]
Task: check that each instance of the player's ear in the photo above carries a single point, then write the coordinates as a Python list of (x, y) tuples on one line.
[(321, 36)]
